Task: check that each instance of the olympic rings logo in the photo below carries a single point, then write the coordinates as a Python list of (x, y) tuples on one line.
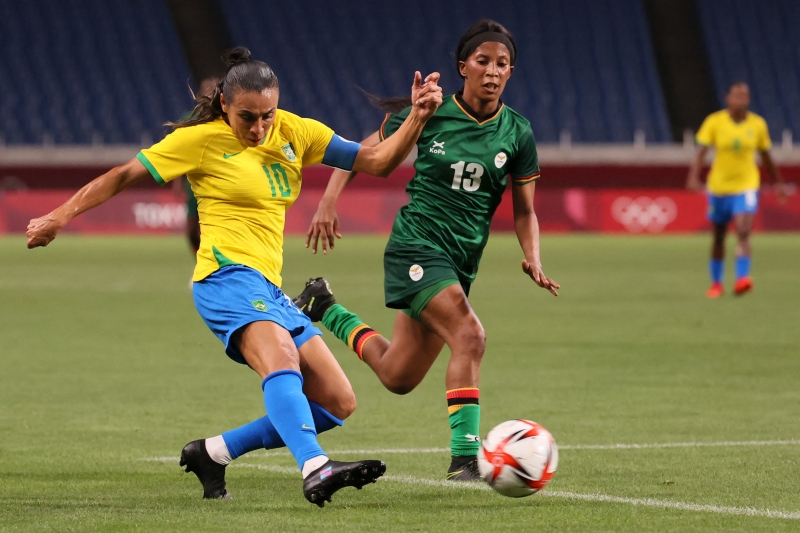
[(644, 213)]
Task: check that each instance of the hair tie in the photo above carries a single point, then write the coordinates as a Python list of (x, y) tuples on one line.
[(488, 36)]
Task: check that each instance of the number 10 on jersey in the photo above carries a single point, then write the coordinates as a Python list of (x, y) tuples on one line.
[(471, 182)]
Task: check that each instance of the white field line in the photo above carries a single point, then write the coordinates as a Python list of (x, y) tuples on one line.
[(643, 502), (376, 451)]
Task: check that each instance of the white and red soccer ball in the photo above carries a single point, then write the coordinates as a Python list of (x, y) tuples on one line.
[(518, 458)]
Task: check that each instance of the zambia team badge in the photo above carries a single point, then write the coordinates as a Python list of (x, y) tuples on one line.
[(259, 305), (288, 150)]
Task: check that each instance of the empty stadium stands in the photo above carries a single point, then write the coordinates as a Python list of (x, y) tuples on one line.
[(585, 66), (84, 71), (87, 71), (757, 42)]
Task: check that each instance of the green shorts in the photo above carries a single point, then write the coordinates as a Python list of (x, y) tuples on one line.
[(414, 274)]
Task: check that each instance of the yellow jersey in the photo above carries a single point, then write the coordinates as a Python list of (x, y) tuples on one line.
[(242, 193), (734, 170)]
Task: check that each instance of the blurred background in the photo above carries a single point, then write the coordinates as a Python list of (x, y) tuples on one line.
[(614, 89)]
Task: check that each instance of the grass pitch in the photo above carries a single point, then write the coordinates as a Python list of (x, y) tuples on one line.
[(106, 371)]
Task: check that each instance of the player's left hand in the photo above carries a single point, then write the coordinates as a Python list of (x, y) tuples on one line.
[(324, 227), (426, 97), (536, 274), (41, 231)]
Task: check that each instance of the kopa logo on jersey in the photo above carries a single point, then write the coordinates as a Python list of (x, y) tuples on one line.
[(437, 148)]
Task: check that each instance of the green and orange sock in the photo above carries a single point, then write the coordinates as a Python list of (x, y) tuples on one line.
[(348, 328), (465, 421)]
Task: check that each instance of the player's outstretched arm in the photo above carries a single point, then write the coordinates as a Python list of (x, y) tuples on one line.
[(527, 228), (381, 160), (693, 179), (42, 230), (325, 224)]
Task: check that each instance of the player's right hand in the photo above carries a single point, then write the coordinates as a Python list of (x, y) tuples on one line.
[(41, 231), (536, 274), (426, 97), (324, 226)]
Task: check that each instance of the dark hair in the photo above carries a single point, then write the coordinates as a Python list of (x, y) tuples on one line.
[(243, 74), (483, 26), (736, 84), (395, 104)]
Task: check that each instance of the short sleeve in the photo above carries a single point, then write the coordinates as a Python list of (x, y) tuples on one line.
[(705, 136), (764, 143), (392, 123), (524, 167), (179, 153), (315, 137)]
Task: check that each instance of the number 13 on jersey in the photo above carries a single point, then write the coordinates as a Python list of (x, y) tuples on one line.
[(471, 182)]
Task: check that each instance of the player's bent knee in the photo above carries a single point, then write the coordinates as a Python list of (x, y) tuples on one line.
[(472, 340), (399, 386), (345, 406)]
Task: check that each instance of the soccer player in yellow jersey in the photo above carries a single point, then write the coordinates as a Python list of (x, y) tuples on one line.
[(732, 186), (244, 157)]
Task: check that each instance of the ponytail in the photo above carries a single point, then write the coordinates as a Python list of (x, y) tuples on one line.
[(242, 74), (392, 104)]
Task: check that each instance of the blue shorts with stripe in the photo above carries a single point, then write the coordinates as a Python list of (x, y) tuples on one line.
[(721, 209), (235, 296)]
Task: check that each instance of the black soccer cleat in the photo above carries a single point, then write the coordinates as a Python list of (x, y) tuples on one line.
[(320, 484), (464, 468), (315, 299), (210, 473)]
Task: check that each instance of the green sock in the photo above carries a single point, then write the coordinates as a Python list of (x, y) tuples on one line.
[(347, 327), (465, 421)]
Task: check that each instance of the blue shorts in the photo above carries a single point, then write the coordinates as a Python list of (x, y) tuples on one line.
[(235, 296), (721, 209)]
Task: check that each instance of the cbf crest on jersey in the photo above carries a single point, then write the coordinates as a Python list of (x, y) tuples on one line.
[(288, 151)]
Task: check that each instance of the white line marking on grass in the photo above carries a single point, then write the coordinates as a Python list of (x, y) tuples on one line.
[(679, 445), (790, 442), (643, 502), (666, 504), (646, 502), (378, 451)]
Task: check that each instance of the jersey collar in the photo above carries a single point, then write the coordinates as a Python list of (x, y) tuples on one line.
[(480, 119)]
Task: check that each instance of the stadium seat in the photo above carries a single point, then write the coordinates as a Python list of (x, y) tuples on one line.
[(88, 70), (757, 42), (585, 66)]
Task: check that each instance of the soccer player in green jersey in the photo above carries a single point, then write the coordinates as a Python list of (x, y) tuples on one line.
[(466, 152)]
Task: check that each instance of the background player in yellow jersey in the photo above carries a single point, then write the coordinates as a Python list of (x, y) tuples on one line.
[(735, 134), (244, 157)]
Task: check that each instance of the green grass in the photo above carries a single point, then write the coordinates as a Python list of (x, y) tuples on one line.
[(104, 363)]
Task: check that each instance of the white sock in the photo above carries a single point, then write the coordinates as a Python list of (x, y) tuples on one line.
[(312, 464), (218, 450)]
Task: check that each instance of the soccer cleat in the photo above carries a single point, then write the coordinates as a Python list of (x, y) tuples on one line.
[(210, 473), (319, 485), (315, 299), (464, 468), (743, 286), (715, 291)]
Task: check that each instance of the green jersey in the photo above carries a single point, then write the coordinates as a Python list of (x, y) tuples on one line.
[(462, 169)]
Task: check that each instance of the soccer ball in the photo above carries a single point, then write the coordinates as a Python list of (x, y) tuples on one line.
[(518, 458)]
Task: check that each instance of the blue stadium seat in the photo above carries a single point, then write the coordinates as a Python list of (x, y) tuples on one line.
[(585, 66), (757, 42), (81, 69)]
